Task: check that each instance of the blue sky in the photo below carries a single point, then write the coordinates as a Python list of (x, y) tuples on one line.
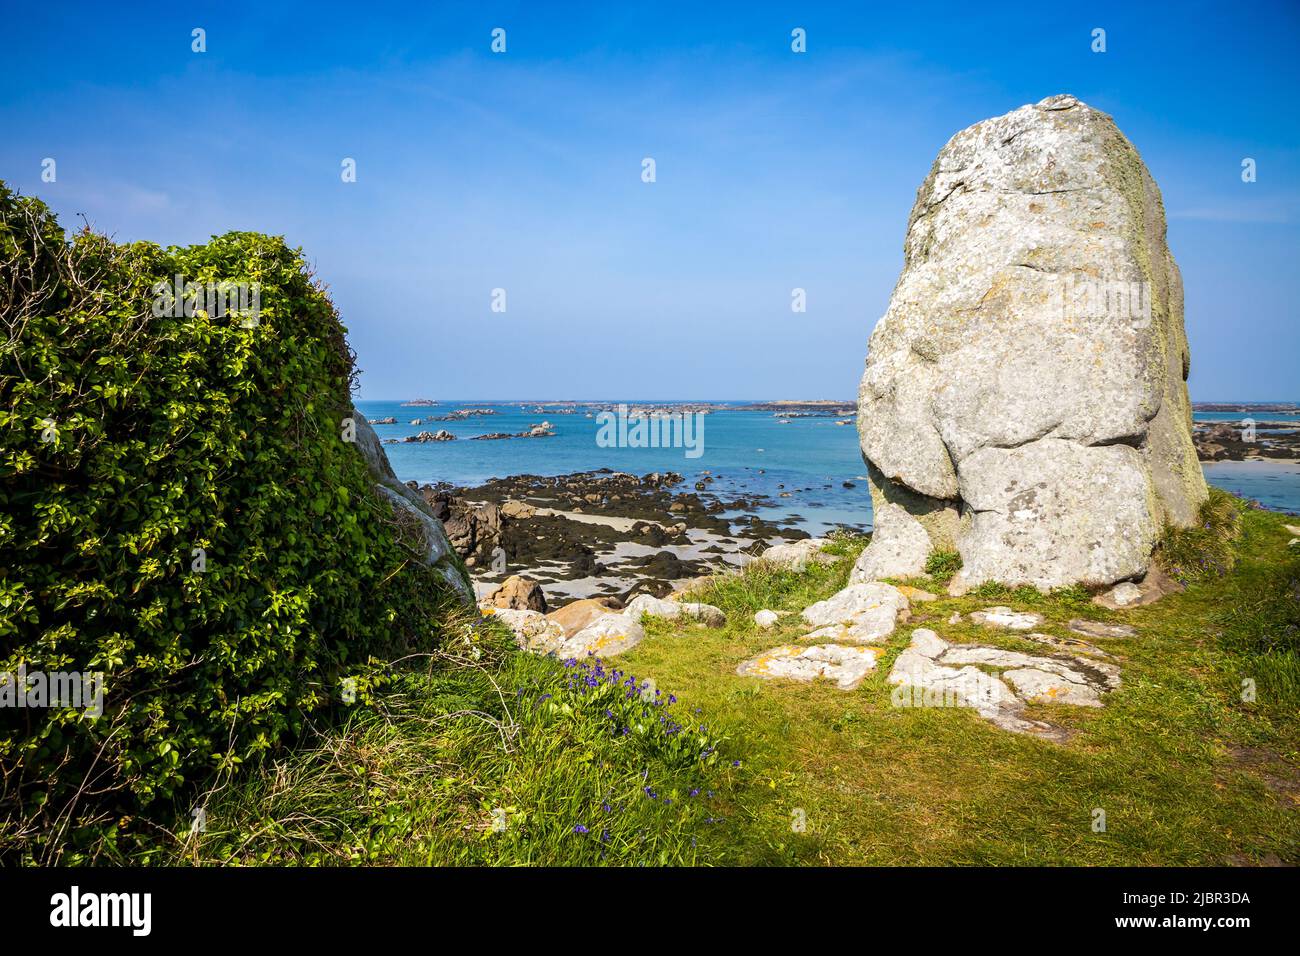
[(522, 170)]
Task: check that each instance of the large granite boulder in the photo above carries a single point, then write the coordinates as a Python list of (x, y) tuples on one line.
[(437, 552), (606, 636), (1025, 398), (518, 592), (533, 630)]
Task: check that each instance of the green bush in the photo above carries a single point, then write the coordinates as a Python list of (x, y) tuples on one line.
[(127, 441)]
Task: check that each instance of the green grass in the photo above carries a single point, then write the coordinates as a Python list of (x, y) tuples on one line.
[(1187, 770), (1205, 550)]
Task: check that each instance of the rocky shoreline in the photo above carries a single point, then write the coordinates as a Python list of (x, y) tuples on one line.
[(611, 534), (602, 533), (1247, 440)]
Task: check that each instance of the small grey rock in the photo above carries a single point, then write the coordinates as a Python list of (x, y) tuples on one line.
[(1098, 629)]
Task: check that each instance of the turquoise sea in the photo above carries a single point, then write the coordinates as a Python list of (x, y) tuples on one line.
[(746, 452)]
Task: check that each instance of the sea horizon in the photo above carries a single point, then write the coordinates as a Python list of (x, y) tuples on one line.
[(810, 470)]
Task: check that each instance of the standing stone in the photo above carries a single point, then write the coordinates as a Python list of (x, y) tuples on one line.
[(1025, 399)]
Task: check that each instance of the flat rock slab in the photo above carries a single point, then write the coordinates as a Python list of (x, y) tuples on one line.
[(1040, 686), (846, 666), (859, 614), (1091, 673), (931, 672), (1099, 629), (927, 643), (1007, 618), (672, 610), (919, 681), (918, 657)]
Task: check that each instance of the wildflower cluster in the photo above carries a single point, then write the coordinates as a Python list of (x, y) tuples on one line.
[(657, 768), (637, 710)]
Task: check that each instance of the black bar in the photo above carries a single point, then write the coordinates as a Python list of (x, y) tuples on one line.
[(368, 906)]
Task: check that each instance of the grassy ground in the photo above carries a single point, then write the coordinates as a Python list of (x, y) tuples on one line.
[(1185, 770), (493, 757), (482, 756)]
